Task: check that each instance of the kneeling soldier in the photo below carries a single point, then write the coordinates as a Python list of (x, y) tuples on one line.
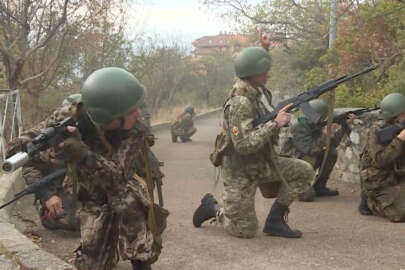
[(183, 126), (249, 160), (307, 141), (382, 166)]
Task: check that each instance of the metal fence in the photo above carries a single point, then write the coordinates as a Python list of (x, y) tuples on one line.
[(10, 118)]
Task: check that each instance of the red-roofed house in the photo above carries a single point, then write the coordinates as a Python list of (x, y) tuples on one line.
[(207, 45)]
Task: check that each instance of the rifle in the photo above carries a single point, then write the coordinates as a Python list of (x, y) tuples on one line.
[(341, 118), (49, 137), (35, 187), (387, 134), (301, 101)]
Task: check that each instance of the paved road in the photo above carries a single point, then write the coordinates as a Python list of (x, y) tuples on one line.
[(335, 236)]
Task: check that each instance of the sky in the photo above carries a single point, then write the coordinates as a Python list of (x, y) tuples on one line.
[(185, 19)]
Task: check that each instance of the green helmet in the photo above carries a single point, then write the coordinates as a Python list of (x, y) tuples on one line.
[(72, 100), (252, 61), (189, 109), (109, 93), (319, 106), (392, 105)]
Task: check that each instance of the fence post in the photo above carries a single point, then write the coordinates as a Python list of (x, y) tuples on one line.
[(10, 118)]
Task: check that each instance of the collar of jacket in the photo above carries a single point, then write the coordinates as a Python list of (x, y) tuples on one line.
[(303, 121), (244, 88)]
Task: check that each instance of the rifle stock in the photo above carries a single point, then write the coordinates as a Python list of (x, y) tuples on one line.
[(387, 134)]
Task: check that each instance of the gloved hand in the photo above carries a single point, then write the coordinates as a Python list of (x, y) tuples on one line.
[(72, 149)]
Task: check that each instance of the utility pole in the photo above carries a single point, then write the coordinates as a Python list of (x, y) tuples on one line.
[(331, 96), (332, 22)]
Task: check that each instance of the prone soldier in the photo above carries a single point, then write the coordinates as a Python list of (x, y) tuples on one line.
[(382, 164)]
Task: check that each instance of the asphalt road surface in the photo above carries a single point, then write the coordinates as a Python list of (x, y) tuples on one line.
[(335, 235)]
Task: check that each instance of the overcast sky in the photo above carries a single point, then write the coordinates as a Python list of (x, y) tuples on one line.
[(178, 18)]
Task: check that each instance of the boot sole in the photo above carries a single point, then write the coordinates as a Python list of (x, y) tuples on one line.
[(327, 195), (277, 234)]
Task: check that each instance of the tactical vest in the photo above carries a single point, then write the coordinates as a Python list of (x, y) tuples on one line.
[(223, 142)]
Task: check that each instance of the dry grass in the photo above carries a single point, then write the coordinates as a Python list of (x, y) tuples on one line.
[(164, 115)]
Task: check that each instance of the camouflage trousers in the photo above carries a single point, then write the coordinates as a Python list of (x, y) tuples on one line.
[(388, 202), (316, 162), (184, 134), (108, 236), (238, 215)]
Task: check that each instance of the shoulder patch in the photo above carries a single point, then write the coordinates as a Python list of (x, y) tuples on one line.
[(235, 131)]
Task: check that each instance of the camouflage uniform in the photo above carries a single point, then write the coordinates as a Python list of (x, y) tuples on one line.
[(251, 160), (306, 141), (40, 165), (183, 127), (382, 173), (114, 215)]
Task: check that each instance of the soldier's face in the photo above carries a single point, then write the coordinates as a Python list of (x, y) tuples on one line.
[(131, 118), (260, 79), (400, 118), (128, 121), (113, 125)]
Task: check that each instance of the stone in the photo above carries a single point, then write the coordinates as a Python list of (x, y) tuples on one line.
[(355, 137)]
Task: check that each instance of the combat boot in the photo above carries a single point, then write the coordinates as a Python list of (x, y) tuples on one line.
[(307, 196), (174, 138), (185, 139), (363, 206), (140, 265), (276, 222), (207, 210), (324, 191), (321, 190)]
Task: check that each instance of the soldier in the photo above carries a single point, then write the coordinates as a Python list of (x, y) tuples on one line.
[(307, 141), (248, 159), (183, 126), (382, 166), (116, 203), (42, 165)]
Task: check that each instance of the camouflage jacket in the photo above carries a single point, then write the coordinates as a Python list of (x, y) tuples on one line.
[(40, 165), (381, 165), (183, 123), (308, 139), (108, 177), (251, 148)]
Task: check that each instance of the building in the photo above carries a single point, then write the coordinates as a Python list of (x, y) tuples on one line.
[(209, 45)]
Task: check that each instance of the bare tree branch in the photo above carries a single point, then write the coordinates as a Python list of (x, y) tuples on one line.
[(54, 30)]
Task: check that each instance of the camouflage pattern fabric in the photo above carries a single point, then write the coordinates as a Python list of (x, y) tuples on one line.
[(307, 142), (43, 164), (183, 126), (251, 161), (382, 174), (115, 206)]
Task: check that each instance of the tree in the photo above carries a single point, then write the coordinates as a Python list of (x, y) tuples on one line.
[(28, 29), (49, 46)]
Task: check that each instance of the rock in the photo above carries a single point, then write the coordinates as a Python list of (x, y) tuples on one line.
[(355, 137), (351, 147)]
